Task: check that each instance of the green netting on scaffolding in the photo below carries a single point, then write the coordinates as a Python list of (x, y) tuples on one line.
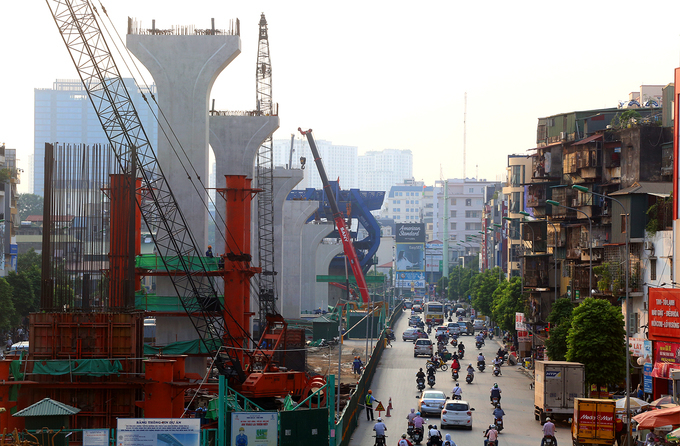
[(152, 302), (150, 261), (177, 348), (80, 367)]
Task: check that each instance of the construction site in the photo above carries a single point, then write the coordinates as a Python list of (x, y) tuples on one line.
[(139, 317)]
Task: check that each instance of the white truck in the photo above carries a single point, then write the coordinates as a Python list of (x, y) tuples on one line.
[(557, 384)]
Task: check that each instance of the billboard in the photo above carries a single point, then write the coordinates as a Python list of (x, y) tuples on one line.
[(664, 313), (410, 257), (254, 428), (410, 280), (158, 431), (410, 232)]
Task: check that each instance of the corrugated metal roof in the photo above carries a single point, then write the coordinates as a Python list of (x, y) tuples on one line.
[(643, 187), (45, 408), (588, 139)]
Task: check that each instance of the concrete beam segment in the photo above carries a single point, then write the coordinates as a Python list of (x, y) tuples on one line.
[(295, 215), (184, 69), (312, 235), (324, 255)]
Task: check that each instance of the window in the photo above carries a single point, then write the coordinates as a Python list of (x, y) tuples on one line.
[(453, 202), (417, 202), (473, 226), (453, 237), (453, 214), (471, 190), (623, 224), (453, 226), (471, 214), (516, 176), (652, 269), (468, 202)]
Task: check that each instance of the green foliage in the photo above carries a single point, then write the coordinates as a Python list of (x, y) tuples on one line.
[(507, 300), (29, 204), (29, 266), (8, 319), (23, 298), (628, 117), (658, 215), (560, 323), (5, 175), (442, 283), (459, 283), (604, 277), (596, 339), (482, 289)]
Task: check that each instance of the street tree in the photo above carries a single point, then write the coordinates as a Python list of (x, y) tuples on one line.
[(560, 323), (8, 319), (507, 300), (596, 339), (459, 283), (29, 204), (483, 286), (29, 265), (23, 298)]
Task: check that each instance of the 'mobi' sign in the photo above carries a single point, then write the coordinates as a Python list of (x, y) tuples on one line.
[(664, 313)]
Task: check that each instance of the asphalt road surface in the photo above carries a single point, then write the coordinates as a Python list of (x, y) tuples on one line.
[(395, 378)]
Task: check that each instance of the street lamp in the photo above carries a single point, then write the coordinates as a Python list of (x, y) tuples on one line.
[(526, 214), (590, 243), (627, 223)]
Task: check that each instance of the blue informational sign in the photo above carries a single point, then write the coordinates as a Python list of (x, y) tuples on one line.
[(647, 370)]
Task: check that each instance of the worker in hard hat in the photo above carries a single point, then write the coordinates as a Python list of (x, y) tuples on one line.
[(241, 438), (209, 252)]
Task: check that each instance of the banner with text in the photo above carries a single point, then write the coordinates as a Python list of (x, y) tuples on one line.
[(410, 280), (410, 232), (666, 359), (158, 431), (254, 428), (664, 313), (519, 322)]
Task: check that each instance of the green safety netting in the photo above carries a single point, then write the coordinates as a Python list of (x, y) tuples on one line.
[(177, 348), (150, 261), (82, 367), (152, 302)]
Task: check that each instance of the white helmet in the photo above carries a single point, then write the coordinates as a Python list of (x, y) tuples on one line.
[(379, 419)]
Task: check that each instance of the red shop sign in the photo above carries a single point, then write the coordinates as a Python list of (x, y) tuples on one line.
[(666, 359), (664, 313)]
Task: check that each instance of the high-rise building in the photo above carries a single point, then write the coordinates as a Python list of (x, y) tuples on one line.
[(405, 202), (339, 161), (65, 115), (380, 170), (9, 217)]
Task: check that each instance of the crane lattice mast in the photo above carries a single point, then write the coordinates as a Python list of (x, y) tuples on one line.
[(265, 181)]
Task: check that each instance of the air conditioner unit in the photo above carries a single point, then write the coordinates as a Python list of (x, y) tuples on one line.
[(649, 246)]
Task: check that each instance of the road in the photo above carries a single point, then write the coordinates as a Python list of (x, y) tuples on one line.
[(395, 378)]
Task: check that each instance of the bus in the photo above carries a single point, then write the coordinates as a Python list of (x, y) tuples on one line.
[(434, 313)]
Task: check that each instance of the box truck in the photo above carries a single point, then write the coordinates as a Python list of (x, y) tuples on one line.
[(557, 384), (593, 421)]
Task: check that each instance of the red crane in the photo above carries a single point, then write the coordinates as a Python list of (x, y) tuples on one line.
[(339, 220)]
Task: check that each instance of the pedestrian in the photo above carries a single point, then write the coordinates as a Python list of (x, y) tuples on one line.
[(618, 428), (640, 392), (369, 405)]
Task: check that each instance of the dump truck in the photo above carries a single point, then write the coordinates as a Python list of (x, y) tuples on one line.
[(593, 421), (557, 384)]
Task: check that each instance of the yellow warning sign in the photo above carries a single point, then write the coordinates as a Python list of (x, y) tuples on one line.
[(380, 407)]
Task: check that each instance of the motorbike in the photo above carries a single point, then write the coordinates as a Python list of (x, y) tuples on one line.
[(441, 365), (380, 440), (548, 441), (429, 329), (454, 374), (430, 380), (491, 335), (420, 382), (481, 366), (456, 397), (461, 354), (391, 337), (417, 435), (499, 424), (469, 378), (494, 401), (478, 344), (496, 370)]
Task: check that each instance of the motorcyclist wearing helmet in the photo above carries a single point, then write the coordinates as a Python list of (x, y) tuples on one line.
[(418, 421), (380, 428), (435, 436), (491, 436), (481, 360), (480, 338), (461, 346), (411, 416), (470, 369), (498, 413), (404, 441), (495, 392), (549, 431), (431, 370), (457, 392), (420, 374)]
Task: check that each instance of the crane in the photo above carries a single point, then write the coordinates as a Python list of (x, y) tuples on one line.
[(343, 231)]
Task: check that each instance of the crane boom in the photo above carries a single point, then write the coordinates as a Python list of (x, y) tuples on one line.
[(80, 30), (347, 245)]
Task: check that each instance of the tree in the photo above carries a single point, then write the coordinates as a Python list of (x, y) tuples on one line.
[(596, 339), (8, 319), (23, 298), (482, 289), (560, 323), (29, 265), (507, 300), (442, 283), (459, 283), (29, 204)]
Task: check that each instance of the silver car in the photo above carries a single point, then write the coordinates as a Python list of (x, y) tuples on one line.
[(432, 401)]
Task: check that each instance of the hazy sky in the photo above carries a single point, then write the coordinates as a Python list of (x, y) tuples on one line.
[(378, 74)]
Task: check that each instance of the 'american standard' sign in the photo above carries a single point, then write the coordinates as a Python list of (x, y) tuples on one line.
[(410, 232)]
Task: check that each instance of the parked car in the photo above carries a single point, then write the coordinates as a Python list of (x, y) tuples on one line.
[(422, 347), (417, 308), (466, 328), (453, 328), (432, 401), (457, 413), (411, 334)]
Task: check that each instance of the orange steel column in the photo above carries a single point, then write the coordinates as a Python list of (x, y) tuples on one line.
[(159, 394), (237, 271), (6, 419)]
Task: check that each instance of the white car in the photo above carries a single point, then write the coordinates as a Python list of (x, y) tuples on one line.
[(453, 328), (457, 413), (422, 347), (442, 330)]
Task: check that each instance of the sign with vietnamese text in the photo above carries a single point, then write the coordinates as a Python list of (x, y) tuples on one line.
[(158, 431), (519, 322), (642, 348), (410, 280), (647, 370), (254, 428), (666, 359), (95, 437), (664, 313)]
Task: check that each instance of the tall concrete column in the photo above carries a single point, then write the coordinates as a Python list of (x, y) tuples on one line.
[(184, 68), (312, 235), (295, 216), (324, 255)]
